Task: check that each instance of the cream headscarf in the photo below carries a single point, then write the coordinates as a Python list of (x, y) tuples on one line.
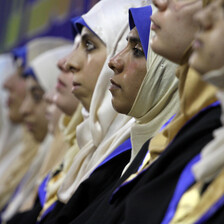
[(212, 160), (45, 68), (104, 129), (19, 144), (157, 98)]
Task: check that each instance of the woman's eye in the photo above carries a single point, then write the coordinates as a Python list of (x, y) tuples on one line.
[(89, 46), (37, 97), (138, 52)]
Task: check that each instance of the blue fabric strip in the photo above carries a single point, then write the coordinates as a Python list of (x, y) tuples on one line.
[(47, 212), (29, 72), (217, 103), (211, 211), (42, 190), (125, 146), (78, 23), (185, 181), (20, 53), (140, 17), (167, 122)]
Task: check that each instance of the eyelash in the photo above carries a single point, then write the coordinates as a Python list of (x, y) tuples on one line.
[(89, 46), (137, 52), (37, 97)]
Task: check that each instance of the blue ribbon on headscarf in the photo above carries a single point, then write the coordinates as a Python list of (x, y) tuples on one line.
[(20, 53), (29, 73), (78, 23), (140, 17)]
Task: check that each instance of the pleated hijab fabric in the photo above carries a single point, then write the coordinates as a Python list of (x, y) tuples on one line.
[(45, 68), (157, 99), (212, 161), (104, 129)]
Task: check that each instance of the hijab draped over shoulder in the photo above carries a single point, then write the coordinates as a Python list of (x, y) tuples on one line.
[(104, 129), (45, 69), (157, 99)]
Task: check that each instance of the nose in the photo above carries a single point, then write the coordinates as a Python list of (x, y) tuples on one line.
[(160, 4), (72, 63), (26, 107), (9, 82), (48, 97), (116, 63), (61, 64)]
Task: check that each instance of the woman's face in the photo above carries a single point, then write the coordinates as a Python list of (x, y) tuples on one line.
[(33, 110), (15, 85), (129, 68), (174, 27), (86, 62), (64, 98), (53, 113), (208, 46)]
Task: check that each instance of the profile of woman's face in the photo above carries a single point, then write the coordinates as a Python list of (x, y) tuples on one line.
[(86, 62), (208, 45), (129, 68), (173, 27), (33, 110), (53, 113), (15, 86), (64, 98)]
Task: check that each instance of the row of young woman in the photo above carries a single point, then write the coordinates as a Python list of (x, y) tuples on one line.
[(144, 151)]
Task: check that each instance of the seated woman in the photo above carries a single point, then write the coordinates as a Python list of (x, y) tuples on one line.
[(203, 196), (40, 77), (16, 141), (103, 129), (143, 193), (129, 86)]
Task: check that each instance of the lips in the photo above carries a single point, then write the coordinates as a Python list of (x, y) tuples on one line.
[(75, 85), (114, 85), (30, 126), (154, 24), (60, 84), (197, 44)]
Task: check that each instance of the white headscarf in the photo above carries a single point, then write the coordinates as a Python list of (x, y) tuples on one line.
[(212, 159), (104, 130), (157, 100), (7, 67), (46, 71), (45, 66)]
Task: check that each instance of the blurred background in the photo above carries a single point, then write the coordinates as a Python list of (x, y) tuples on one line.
[(22, 20)]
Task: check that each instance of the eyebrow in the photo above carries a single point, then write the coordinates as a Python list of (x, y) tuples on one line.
[(36, 88), (133, 39), (87, 36)]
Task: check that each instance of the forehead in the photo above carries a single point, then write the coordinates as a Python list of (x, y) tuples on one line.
[(32, 83), (133, 36)]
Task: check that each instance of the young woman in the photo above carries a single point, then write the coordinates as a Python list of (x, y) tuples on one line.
[(15, 140), (129, 86), (143, 194), (204, 195), (103, 129), (33, 109)]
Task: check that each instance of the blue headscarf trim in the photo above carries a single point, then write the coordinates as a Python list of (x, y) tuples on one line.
[(20, 53), (78, 23), (29, 73), (140, 17)]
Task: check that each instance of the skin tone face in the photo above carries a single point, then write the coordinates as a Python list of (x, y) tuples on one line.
[(64, 98), (53, 113), (208, 45), (174, 27), (33, 110), (86, 62), (15, 85), (129, 68)]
